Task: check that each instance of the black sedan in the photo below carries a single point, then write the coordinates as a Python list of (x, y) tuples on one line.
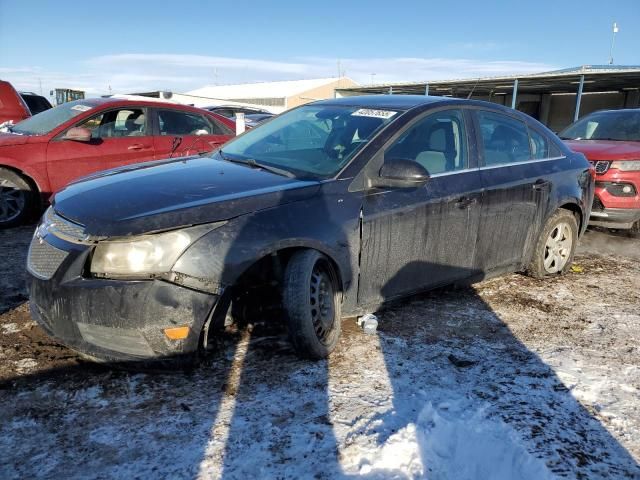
[(325, 212)]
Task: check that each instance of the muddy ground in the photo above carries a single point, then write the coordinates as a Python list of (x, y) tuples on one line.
[(556, 361)]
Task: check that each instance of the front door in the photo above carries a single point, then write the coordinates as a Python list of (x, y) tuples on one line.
[(417, 238), (119, 137), (185, 133)]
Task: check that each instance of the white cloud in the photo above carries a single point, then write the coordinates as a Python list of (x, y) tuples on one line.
[(132, 72)]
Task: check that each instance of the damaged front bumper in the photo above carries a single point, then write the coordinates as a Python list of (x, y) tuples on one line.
[(110, 320)]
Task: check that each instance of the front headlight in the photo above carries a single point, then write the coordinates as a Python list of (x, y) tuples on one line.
[(145, 255), (626, 165)]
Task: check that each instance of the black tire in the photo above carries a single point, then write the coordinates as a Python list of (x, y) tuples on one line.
[(17, 199), (542, 252), (635, 229), (311, 304)]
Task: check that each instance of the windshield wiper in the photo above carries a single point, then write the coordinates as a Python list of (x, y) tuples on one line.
[(254, 164)]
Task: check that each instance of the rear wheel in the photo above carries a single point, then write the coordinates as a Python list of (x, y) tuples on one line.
[(554, 250), (17, 199), (311, 303), (635, 228)]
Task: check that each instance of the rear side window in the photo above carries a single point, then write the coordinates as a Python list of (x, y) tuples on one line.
[(173, 122), (505, 139), (539, 145), (437, 142)]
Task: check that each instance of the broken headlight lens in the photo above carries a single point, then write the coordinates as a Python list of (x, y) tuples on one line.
[(145, 255)]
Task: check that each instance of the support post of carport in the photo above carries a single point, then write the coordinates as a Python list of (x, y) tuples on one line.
[(390, 90), (515, 94), (426, 89), (576, 114)]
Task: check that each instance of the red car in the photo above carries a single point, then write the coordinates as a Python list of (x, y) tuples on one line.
[(610, 140), (12, 106), (43, 153)]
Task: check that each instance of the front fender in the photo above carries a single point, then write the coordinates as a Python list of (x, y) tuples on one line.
[(224, 254)]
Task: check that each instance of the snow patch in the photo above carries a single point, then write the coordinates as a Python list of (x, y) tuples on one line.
[(9, 328), (454, 440), (25, 365)]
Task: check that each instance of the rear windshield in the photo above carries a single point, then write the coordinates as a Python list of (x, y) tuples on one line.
[(620, 126), (44, 122), (315, 140)]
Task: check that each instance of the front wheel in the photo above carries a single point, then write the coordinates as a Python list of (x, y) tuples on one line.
[(17, 199), (554, 250), (311, 303)]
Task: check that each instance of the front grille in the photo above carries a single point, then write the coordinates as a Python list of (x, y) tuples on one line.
[(597, 204), (44, 259), (601, 166), (63, 228)]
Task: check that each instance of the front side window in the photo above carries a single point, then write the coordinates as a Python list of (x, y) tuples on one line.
[(505, 139), (173, 122), (617, 126), (437, 142), (124, 122), (314, 140)]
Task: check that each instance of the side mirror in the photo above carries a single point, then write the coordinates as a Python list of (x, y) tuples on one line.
[(400, 172), (78, 134)]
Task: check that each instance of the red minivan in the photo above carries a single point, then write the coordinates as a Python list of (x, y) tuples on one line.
[(43, 153), (610, 139)]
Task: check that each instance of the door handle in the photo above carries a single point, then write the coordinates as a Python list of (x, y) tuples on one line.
[(541, 185), (465, 202), (137, 146)]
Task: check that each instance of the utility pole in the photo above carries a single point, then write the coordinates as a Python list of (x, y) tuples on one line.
[(40, 83), (613, 42)]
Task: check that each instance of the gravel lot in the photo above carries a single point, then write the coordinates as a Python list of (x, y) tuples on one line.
[(538, 379)]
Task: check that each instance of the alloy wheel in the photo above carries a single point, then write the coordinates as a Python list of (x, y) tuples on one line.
[(12, 200), (557, 249)]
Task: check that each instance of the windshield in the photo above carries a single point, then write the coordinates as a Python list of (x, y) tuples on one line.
[(620, 125), (316, 140), (46, 121)]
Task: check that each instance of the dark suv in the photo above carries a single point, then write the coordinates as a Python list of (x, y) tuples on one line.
[(324, 212)]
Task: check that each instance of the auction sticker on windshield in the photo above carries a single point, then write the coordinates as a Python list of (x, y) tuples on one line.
[(369, 112), (81, 108)]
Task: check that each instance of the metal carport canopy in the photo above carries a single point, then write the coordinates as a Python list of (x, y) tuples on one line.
[(597, 78)]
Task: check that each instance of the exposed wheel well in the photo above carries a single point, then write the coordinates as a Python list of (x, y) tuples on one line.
[(261, 283), (577, 212)]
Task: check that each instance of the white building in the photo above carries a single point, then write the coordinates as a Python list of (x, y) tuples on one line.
[(273, 96)]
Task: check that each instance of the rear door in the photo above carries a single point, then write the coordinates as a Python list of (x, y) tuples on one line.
[(517, 177), (119, 136), (416, 238), (181, 133)]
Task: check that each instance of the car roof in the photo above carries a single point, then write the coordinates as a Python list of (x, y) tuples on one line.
[(99, 101), (617, 110), (397, 102), (408, 102)]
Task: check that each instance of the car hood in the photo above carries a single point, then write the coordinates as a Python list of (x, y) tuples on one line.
[(170, 194), (7, 139), (606, 149)]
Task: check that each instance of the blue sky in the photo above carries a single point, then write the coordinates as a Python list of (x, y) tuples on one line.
[(150, 45)]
